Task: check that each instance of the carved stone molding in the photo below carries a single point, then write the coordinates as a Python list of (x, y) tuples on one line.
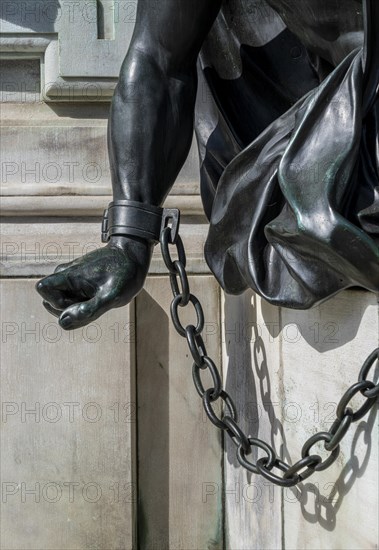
[(55, 149), (85, 205), (81, 45)]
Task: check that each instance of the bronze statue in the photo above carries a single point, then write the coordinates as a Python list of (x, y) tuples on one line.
[(287, 122)]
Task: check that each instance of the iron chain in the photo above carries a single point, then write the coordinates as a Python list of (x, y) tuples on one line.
[(227, 421)]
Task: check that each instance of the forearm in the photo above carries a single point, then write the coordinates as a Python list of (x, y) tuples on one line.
[(150, 126), (151, 121)]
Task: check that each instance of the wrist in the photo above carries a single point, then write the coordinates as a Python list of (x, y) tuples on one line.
[(127, 241), (137, 196), (125, 219)]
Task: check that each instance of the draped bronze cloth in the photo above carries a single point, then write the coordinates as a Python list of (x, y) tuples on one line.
[(287, 122)]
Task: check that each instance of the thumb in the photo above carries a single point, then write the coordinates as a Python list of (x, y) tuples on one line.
[(79, 315)]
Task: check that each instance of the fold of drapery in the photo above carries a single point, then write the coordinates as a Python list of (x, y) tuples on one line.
[(294, 214)]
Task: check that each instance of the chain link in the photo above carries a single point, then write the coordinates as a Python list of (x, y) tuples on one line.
[(321, 436), (217, 383), (374, 356), (185, 293), (227, 421), (196, 346), (255, 442)]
